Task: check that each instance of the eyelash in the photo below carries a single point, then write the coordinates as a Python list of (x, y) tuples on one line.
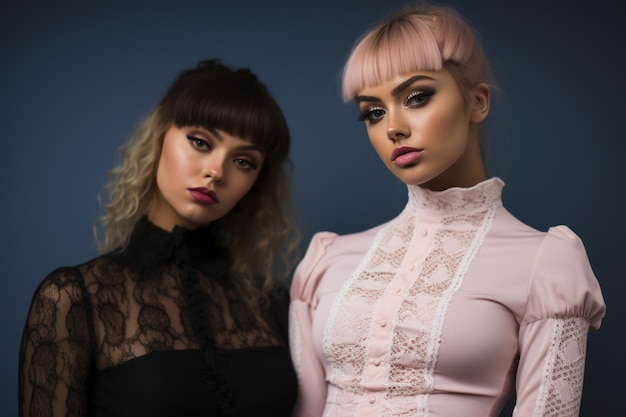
[(422, 94), (198, 143), (203, 145), (367, 115), (248, 165)]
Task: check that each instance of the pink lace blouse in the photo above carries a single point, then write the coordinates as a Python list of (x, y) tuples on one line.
[(443, 311)]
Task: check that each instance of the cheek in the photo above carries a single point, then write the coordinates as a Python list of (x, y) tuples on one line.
[(171, 169), (451, 125), (379, 140), (241, 192), (250, 183), (173, 162), (241, 186)]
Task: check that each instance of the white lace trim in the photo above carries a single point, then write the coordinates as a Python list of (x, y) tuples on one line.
[(356, 322), (412, 349), (561, 386), (295, 334), (459, 200)]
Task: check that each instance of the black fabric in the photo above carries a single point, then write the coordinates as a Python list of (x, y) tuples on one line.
[(156, 330), (168, 384)]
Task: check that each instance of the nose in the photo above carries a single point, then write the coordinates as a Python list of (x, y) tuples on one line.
[(397, 126), (214, 169), (215, 175)]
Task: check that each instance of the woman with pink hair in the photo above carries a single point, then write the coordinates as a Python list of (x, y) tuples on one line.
[(454, 305)]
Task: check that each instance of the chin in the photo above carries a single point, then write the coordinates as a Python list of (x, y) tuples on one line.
[(408, 179), (194, 222)]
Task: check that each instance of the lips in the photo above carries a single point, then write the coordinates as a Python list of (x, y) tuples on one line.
[(405, 155), (203, 195), (402, 150)]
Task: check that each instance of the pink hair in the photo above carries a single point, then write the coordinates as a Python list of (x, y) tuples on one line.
[(426, 38)]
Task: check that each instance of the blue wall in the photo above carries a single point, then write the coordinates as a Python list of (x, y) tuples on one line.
[(75, 79)]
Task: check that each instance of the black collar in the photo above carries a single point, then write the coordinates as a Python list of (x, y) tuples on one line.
[(150, 246)]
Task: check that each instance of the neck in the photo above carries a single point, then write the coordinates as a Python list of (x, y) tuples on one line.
[(161, 214)]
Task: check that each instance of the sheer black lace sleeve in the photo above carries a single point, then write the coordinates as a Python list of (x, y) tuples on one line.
[(55, 363)]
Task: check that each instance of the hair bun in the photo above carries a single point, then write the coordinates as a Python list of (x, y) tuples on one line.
[(213, 64), (216, 65)]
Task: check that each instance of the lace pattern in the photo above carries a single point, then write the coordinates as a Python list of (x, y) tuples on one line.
[(464, 216), (59, 358), (113, 309), (459, 200), (560, 391)]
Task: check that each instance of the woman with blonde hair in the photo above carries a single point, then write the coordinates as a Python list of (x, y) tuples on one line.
[(185, 311), (453, 305)]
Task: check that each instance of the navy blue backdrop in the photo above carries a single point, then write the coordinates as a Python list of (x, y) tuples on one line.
[(74, 80)]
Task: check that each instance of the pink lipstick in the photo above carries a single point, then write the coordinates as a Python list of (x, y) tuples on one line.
[(406, 155), (203, 195)]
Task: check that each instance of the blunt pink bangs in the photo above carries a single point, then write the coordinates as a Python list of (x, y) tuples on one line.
[(388, 51), (412, 41)]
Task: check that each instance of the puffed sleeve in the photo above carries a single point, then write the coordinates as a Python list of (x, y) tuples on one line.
[(564, 303), (54, 352), (311, 378)]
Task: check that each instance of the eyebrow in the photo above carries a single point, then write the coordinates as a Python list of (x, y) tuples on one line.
[(399, 88), (251, 147)]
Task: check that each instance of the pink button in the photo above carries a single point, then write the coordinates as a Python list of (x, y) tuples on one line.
[(383, 323), (372, 399), (376, 362), (424, 232), (398, 290)]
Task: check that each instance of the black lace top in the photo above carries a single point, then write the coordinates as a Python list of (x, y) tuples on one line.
[(154, 331)]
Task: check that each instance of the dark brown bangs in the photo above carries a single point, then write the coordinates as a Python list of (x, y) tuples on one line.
[(234, 102)]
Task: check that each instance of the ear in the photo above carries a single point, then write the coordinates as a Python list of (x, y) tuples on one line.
[(481, 95)]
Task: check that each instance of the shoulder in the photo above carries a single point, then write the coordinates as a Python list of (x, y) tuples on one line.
[(70, 281), (306, 279), (62, 291), (506, 223), (519, 243), (107, 269), (562, 249), (563, 258), (563, 283), (325, 245), (62, 279), (335, 245), (325, 249)]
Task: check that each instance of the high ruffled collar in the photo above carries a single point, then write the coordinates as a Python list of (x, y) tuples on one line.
[(455, 199), (150, 246)]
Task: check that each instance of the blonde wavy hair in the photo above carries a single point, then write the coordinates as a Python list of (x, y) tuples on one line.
[(260, 231)]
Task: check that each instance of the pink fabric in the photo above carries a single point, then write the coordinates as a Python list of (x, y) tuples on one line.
[(443, 311)]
